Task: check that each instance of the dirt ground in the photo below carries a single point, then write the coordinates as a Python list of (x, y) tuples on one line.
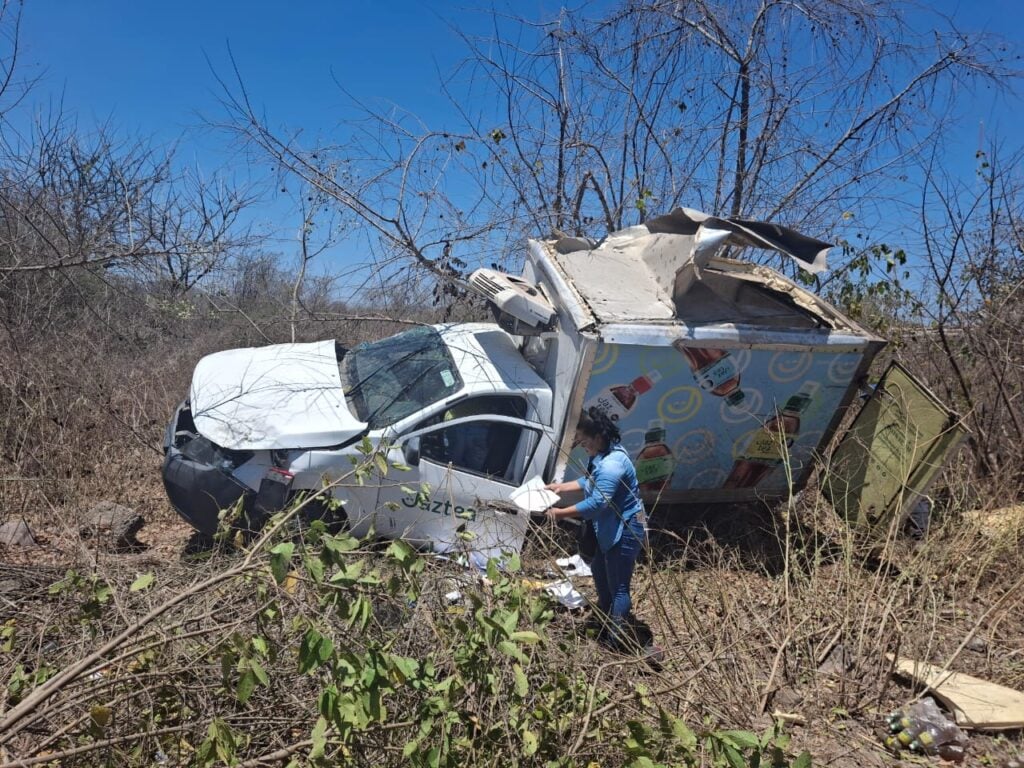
[(746, 637)]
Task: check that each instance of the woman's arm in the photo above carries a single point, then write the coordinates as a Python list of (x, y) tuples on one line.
[(607, 477), (556, 513)]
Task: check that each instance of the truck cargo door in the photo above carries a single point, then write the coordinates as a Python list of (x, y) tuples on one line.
[(894, 449)]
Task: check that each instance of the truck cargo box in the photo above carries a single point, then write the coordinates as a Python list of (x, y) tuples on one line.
[(725, 377)]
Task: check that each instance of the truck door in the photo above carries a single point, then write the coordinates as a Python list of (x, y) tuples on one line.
[(893, 450), (455, 494)]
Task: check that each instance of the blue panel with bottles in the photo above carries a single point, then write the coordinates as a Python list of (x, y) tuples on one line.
[(705, 418)]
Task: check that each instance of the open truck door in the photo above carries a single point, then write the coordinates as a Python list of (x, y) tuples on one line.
[(892, 452), (453, 491)]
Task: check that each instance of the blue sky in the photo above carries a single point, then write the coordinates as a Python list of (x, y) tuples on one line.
[(146, 66), (147, 69)]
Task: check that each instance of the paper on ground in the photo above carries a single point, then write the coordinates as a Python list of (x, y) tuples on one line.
[(573, 566), (566, 594), (532, 496), (562, 591)]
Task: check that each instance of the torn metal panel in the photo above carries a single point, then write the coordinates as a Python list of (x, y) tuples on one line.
[(745, 292), (542, 269), (808, 252), (615, 282), (893, 451), (660, 272)]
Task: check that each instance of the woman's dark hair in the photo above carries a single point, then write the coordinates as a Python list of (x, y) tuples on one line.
[(595, 423)]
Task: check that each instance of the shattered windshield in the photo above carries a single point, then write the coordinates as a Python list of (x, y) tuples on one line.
[(387, 380)]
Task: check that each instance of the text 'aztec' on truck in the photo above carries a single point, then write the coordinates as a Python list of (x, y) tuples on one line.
[(726, 379)]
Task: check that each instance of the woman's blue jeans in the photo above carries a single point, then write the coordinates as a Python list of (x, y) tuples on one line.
[(613, 572)]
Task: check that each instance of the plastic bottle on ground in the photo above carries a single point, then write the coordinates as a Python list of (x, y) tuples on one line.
[(924, 728)]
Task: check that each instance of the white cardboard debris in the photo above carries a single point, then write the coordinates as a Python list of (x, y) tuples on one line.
[(566, 594), (975, 703), (532, 496), (573, 566)]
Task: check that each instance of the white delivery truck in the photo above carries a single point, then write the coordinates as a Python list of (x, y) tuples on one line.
[(725, 377)]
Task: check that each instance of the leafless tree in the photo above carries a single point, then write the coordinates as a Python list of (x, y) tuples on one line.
[(589, 123), (318, 233), (13, 85), (73, 201), (965, 308), (761, 108)]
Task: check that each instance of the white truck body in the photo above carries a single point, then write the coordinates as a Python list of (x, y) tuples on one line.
[(718, 348)]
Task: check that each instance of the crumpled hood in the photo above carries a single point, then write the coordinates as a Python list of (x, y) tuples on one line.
[(281, 396)]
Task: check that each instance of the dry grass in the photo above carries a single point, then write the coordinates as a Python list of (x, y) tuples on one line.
[(749, 632), (759, 614)]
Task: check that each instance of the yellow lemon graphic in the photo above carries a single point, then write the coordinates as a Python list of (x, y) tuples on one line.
[(605, 358), (709, 478), (663, 359), (787, 366), (741, 359), (679, 404)]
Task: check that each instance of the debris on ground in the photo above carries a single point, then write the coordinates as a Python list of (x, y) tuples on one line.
[(975, 703), (16, 533), (924, 728), (565, 594), (977, 644), (573, 566), (112, 526)]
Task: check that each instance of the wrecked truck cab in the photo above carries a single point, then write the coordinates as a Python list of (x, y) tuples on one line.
[(455, 410), (246, 410)]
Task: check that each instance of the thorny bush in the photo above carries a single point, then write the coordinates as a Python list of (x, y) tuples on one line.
[(321, 649)]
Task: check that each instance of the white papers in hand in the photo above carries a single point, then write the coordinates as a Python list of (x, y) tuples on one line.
[(532, 496)]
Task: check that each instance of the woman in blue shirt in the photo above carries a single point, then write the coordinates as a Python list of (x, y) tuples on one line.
[(612, 504)]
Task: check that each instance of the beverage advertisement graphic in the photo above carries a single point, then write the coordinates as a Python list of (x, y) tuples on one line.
[(705, 418)]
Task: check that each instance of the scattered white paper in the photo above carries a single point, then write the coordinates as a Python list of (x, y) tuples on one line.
[(573, 566), (565, 593), (532, 496)]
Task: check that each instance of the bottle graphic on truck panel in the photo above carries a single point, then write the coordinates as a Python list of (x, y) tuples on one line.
[(768, 446), (619, 400), (654, 463), (715, 371)]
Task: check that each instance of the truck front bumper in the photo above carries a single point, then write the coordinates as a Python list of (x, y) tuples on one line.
[(196, 474)]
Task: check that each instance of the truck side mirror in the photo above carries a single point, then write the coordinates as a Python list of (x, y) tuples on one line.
[(411, 451)]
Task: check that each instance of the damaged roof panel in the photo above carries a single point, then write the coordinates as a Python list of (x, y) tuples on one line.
[(667, 271), (615, 282)]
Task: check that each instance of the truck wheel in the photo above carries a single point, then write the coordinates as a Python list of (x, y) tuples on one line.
[(335, 519)]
